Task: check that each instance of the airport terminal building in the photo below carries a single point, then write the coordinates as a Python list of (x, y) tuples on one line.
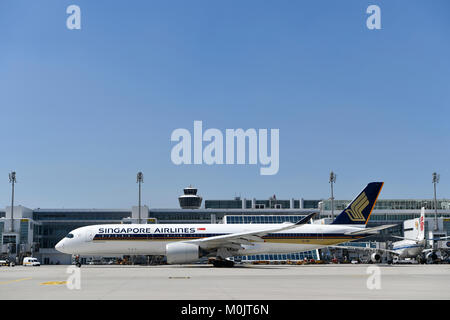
[(35, 232)]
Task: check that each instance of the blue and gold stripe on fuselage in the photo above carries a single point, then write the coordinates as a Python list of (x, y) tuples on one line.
[(293, 238)]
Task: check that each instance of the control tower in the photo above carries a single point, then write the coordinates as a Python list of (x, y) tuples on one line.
[(190, 199)]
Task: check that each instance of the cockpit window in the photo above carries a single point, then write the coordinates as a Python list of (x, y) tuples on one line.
[(70, 236)]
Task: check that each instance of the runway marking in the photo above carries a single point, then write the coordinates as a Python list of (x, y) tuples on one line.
[(12, 281), (51, 283), (179, 277)]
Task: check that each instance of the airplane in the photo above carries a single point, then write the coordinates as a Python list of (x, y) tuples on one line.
[(187, 243), (416, 248), (411, 248), (407, 248)]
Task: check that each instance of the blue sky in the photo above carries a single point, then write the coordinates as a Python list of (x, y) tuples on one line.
[(84, 110)]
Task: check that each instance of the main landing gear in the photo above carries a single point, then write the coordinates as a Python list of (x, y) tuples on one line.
[(220, 263)]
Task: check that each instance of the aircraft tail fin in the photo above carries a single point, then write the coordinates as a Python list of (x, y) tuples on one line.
[(421, 234), (359, 210)]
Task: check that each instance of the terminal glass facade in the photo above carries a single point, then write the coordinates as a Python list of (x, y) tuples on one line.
[(180, 216), (53, 225), (446, 226), (278, 257), (1, 232), (224, 204), (394, 204), (66, 215), (259, 204), (24, 231), (262, 219), (265, 219), (310, 204)]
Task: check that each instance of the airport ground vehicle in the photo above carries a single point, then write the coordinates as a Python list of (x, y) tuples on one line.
[(95, 262), (4, 263), (30, 261)]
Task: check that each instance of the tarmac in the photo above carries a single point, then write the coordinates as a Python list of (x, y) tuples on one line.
[(242, 282)]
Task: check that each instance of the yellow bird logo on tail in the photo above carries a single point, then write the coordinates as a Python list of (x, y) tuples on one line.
[(355, 211)]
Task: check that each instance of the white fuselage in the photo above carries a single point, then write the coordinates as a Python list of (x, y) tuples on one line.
[(152, 239), (408, 248)]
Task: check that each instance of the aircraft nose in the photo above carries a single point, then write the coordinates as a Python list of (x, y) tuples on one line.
[(60, 246)]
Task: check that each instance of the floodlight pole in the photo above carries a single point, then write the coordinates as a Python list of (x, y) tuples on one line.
[(12, 180), (140, 179), (332, 181), (435, 181)]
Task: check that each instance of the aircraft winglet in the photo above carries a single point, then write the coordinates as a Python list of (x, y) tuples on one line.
[(306, 219)]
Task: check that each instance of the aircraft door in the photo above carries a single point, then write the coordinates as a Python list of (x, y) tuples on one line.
[(89, 235), (319, 235)]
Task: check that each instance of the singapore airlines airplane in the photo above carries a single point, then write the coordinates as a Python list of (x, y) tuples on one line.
[(187, 243)]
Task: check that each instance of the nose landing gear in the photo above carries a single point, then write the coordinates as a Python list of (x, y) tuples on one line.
[(77, 261)]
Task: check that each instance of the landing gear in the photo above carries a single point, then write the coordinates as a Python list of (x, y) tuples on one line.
[(219, 263), (77, 261)]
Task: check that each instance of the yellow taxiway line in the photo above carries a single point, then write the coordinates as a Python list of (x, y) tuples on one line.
[(12, 281), (50, 283)]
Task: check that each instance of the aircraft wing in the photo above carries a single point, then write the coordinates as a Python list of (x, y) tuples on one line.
[(404, 238), (373, 230), (247, 237), (434, 239), (363, 249), (439, 239)]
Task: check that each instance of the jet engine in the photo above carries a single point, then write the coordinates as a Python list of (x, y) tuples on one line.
[(179, 252), (431, 257), (375, 257)]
